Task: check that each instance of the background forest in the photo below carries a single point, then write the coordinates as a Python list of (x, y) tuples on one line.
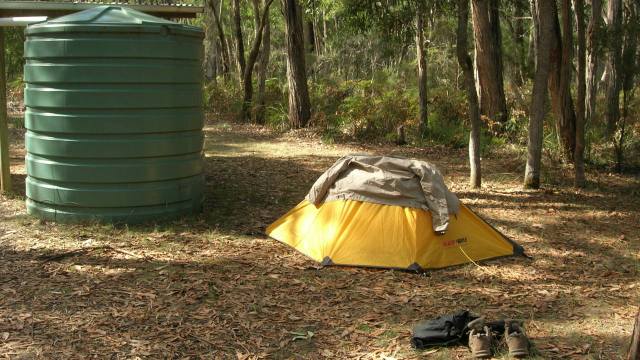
[(539, 93), (552, 78)]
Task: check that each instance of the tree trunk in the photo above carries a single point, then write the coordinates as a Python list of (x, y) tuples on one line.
[(519, 33), (560, 81), (210, 53), (544, 12), (634, 347), (310, 37), (488, 61), (237, 28), (464, 60), (614, 25), (531, 51), (324, 32), (593, 34), (5, 168), (319, 44), (265, 53), (629, 67), (579, 179), (401, 138), (423, 117), (299, 104), (247, 76), (226, 67)]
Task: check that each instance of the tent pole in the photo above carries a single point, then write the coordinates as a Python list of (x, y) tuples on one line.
[(5, 174)]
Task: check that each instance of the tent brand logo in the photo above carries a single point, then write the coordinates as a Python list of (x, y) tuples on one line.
[(451, 243)]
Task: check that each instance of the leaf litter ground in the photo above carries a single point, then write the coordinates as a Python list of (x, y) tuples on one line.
[(213, 286)]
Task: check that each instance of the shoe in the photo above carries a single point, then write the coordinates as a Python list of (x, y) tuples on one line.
[(516, 340), (480, 339)]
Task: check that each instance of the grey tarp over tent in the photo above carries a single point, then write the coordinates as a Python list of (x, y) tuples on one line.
[(390, 181)]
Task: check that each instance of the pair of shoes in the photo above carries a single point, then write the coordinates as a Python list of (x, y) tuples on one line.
[(482, 337)]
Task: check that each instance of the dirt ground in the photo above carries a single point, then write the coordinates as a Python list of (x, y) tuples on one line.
[(214, 286)]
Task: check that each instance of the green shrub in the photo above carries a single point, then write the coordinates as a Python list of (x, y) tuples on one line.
[(364, 110), (448, 117), (223, 98), (276, 116)]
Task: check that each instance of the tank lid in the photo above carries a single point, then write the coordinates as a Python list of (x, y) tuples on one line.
[(107, 14), (110, 18)]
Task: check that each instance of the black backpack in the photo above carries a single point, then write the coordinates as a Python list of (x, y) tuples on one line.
[(449, 330)]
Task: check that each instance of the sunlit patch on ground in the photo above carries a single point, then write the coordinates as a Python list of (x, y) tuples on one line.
[(214, 286)]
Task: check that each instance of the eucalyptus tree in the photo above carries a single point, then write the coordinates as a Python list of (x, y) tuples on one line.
[(299, 102), (544, 14), (249, 63), (614, 64), (464, 60), (210, 63), (593, 46), (215, 9), (560, 80), (237, 32), (517, 20), (630, 65), (263, 63), (421, 59), (578, 155), (488, 61)]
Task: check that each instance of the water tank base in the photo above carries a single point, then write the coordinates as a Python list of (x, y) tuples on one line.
[(67, 214)]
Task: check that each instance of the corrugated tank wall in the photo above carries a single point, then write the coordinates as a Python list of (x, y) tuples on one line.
[(114, 117)]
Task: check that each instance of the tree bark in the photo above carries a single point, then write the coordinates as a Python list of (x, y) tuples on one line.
[(210, 54), (614, 25), (299, 104), (247, 76), (263, 61), (423, 116), (310, 37), (5, 166), (226, 67), (593, 34), (518, 33), (488, 62), (531, 51), (629, 67), (324, 32), (579, 179), (237, 28), (634, 347), (544, 12), (318, 35), (464, 60), (560, 81)]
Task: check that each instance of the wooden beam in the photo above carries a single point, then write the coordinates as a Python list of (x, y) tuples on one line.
[(54, 9), (5, 173)]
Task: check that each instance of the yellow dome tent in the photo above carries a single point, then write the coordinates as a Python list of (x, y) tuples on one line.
[(354, 215)]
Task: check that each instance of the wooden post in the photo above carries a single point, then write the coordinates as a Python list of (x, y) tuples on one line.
[(634, 348), (5, 174)]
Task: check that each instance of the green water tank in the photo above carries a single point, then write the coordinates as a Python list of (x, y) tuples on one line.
[(114, 117)]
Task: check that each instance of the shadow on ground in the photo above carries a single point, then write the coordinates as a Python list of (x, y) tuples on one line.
[(244, 194), (96, 302), (213, 286)]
